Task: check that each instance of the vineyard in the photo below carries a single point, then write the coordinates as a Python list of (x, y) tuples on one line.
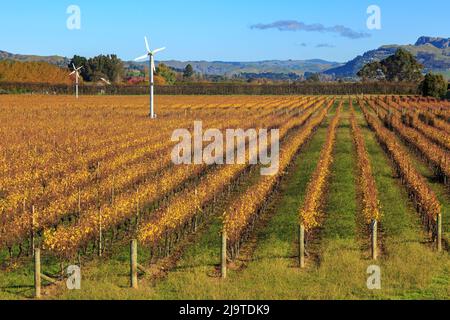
[(361, 181)]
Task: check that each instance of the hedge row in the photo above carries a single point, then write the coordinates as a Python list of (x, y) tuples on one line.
[(219, 89)]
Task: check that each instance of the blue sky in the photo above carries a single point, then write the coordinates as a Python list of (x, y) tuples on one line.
[(215, 29)]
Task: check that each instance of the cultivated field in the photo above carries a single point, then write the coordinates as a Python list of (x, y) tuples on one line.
[(80, 180)]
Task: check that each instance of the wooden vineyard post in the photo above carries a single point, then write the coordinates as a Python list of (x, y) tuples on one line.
[(33, 223), (224, 254), (37, 273), (79, 200), (113, 191), (374, 239), (138, 213), (100, 233), (133, 264), (439, 232), (301, 246)]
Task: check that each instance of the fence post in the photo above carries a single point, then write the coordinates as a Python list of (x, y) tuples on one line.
[(133, 264), (138, 214), (33, 222), (37, 273), (79, 200), (224, 254), (374, 239), (100, 234), (439, 232), (301, 246), (113, 191)]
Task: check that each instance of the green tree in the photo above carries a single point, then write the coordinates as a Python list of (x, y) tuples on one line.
[(372, 71), (401, 66), (312, 77), (188, 72), (434, 85), (106, 66), (168, 74), (102, 66), (80, 61)]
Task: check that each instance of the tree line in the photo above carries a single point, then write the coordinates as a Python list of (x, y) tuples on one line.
[(108, 67), (222, 89), (111, 68)]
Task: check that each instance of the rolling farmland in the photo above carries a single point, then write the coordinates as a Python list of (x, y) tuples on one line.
[(361, 181)]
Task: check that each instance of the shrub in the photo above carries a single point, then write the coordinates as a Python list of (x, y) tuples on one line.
[(434, 85)]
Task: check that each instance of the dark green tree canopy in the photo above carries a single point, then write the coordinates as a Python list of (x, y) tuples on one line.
[(188, 71), (79, 61), (109, 67), (373, 71), (313, 77), (402, 66), (434, 85)]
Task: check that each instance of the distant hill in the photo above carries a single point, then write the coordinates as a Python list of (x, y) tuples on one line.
[(222, 68), (433, 53), (214, 68), (56, 60)]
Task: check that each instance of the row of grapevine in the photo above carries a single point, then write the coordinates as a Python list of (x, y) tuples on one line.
[(411, 117), (427, 115), (421, 194), (429, 118), (366, 181), (240, 217), (120, 175), (155, 187), (171, 221), (96, 191), (79, 171), (310, 213), (438, 158), (68, 240)]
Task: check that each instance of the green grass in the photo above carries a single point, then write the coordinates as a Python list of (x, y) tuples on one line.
[(16, 282), (341, 206)]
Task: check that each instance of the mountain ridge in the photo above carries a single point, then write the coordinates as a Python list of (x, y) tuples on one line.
[(432, 52), (233, 68), (54, 59), (441, 43), (214, 68)]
